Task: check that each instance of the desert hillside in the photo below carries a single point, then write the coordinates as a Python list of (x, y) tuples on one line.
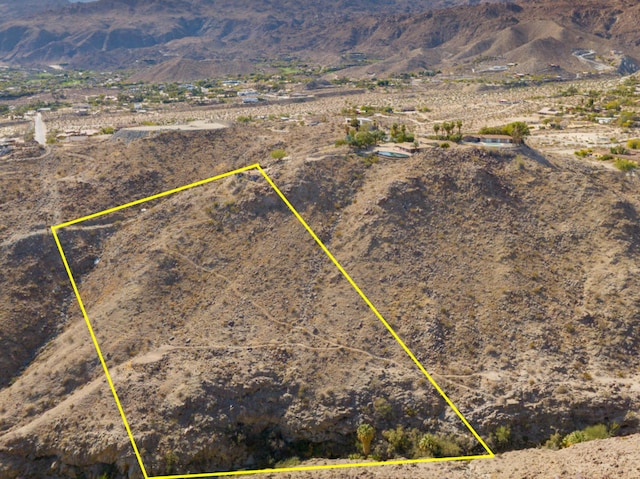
[(233, 340), (185, 40)]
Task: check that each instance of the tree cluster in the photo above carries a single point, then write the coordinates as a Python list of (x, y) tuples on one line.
[(400, 134), (447, 128)]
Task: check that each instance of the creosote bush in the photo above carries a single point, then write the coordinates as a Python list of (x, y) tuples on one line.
[(590, 433), (625, 165), (278, 154)]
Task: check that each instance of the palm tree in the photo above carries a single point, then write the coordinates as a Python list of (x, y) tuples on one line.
[(448, 127), (436, 128), (365, 434), (459, 126)]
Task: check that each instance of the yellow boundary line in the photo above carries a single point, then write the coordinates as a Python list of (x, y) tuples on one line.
[(256, 166)]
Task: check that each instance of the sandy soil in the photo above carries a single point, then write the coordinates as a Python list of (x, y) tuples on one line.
[(617, 457)]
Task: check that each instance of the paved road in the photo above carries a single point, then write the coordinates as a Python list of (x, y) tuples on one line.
[(41, 130)]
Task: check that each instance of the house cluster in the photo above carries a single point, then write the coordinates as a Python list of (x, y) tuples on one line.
[(248, 96)]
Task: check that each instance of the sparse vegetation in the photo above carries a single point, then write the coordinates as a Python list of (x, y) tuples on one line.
[(625, 165), (448, 303), (437, 446), (501, 437), (289, 462), (278, 154), (618, 150)]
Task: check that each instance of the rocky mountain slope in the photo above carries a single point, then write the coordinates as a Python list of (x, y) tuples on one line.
[(394, 35), (234, 343), (12, 9)]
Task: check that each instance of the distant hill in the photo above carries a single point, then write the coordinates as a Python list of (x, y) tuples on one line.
[(11, 9), (394, 35)]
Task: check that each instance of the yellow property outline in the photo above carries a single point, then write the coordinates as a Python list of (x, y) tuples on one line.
[(256, 166)]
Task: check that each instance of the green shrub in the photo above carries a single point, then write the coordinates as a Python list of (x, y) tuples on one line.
[(625, 165), (170, 461), (382, 408), (503, 434), (605, 157), (583, 153), (52, 137), (399, 441), (278, 154), (370, 160), (599, 431), (554, 442), (429, 444), (575, 437), (618, 150), (437, 446), (107, 130), (634, 144), (444, 145)]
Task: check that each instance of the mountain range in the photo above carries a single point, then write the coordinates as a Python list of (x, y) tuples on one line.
[(222, 36)]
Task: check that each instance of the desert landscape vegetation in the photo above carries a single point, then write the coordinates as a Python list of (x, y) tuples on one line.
[(480, 187)]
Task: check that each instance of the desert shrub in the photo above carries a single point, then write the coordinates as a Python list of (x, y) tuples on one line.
[(634, 144), (605, 157), (370, 160), (430, 444), (583, 153), (439, 446), (444, 145), (554, 442), (618, 150), (399, 441), (289, 462), (501, 437), (244, 119), (52, 137), (599, 431), (107, 130), (278, 154), (170, 460), (575, 437), (625, 165), (382, 407)]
